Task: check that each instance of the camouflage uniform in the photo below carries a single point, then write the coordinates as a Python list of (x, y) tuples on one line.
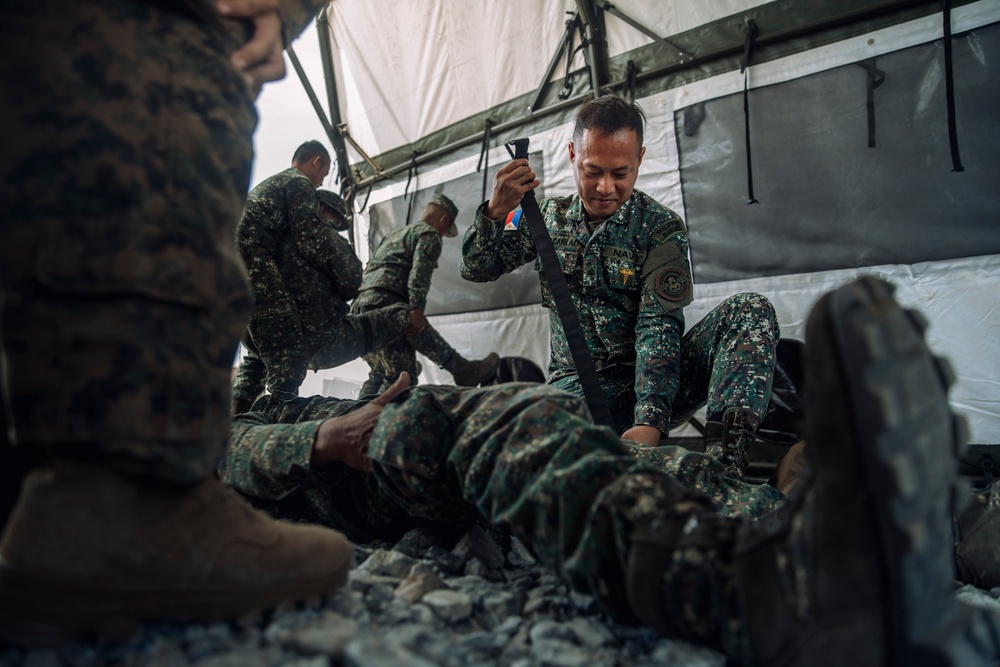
[(126, 138), (630, 280), (399, 272), (303, 274), (524, 457)]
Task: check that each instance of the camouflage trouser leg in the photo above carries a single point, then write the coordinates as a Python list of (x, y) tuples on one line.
[(528, 458), (430, 344), (355, 335), (388, 362), (727, 359), (248, 383), (122, 299), (281, 345), (705, 474)]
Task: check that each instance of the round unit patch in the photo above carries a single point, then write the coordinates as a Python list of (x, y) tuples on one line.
[(672, 283)]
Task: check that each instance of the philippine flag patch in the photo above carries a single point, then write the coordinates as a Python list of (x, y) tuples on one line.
[(513, 220)]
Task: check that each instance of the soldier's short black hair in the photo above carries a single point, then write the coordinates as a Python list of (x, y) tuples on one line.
[(308, 151), (609, 113)]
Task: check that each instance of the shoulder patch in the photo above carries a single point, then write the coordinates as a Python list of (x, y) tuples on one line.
[(672, 284), (666, 229)]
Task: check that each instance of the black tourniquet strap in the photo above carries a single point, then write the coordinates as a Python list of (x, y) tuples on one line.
[(552, 270)]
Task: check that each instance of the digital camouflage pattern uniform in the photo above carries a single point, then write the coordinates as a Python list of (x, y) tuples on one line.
[(525, 457), (126, 138), (303, 274), (630, 280), (399, 272)]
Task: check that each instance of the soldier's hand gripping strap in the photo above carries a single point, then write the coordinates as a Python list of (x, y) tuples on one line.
[(582, 359)]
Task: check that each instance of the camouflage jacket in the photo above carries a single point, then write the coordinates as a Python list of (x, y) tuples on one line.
[(283, 206), (629, 282), (404, 262), (321, 283)]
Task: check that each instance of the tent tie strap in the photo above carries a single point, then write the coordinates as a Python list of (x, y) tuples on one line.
[(484, 154), (410, 197), (751, 32), (876, 78), (949, 88)]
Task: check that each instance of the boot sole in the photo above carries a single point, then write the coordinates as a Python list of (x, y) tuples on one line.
[(41, 611), (905, 435)]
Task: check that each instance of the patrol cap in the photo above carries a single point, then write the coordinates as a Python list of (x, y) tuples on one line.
[(450, 208), (338, 205)]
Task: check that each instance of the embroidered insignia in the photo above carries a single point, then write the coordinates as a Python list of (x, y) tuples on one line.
[(625, 275), (672, 283)]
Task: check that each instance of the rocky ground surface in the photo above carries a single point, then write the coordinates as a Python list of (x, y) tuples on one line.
[(478, 600)]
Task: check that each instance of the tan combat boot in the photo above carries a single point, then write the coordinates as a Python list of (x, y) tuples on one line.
[(472, 373), (857, 569), (89, 552)]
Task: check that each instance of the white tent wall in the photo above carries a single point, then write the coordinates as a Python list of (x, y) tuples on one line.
[(959, 297)]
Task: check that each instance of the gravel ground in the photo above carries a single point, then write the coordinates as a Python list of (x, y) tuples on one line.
[(478, 601)]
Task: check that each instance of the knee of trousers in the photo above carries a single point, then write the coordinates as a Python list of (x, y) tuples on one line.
[(752, 309)]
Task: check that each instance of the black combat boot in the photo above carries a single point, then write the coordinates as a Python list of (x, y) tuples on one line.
[(472, 373), (731, 440), (857, 569)]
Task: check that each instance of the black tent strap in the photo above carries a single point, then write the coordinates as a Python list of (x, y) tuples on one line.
[(874, 79), (410, 197), (484, 154), (949, 88), (630, 73), (751, 32), (568, 316)]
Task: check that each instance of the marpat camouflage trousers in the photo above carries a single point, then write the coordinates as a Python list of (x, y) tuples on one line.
[(126, 139)]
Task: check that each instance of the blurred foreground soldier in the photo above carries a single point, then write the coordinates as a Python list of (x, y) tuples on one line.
[(625, 261), (317, 332), (126, 130), (399, 272), (854, 569)]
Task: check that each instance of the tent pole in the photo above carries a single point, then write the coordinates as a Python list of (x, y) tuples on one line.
[(597, 44)]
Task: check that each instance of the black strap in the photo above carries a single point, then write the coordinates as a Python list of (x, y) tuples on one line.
[(875, 79), (484, 154), (552, 271), (744, 69), (630, 75), (408, 196), (949, 89), (986, 464)]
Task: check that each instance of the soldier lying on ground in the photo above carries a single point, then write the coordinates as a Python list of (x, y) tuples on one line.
[(856, 567)]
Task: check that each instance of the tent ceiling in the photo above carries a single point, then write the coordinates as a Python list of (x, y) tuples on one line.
[(417, 81)]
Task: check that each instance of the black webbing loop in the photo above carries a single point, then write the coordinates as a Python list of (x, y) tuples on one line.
[(949, 89), (367, 195), (484, 154), (875, 79), (744, 69), (986, 463), (408, 196), (630, 74), (552, 271)]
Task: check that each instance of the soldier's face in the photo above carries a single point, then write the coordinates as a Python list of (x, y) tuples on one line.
[(605, 167)]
